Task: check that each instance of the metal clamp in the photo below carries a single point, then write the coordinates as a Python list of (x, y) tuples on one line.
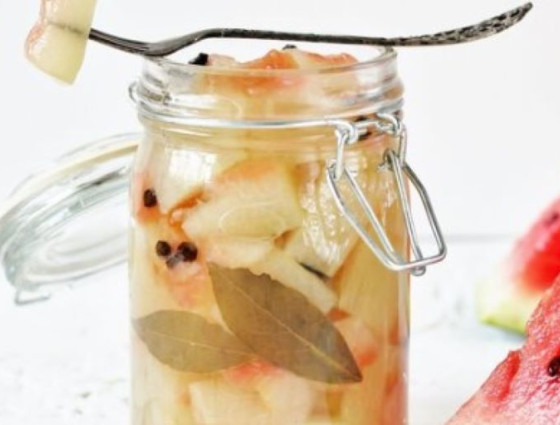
[(347, 134)]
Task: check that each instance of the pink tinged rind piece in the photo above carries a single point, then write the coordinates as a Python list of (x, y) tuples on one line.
[(281, 267), (254, 200), (56, 51), (57, 42)]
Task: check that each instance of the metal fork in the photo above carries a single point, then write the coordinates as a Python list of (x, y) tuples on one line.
[(486, 28)]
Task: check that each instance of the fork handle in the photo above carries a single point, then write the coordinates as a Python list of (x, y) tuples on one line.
[(469, 33), (125, 44)]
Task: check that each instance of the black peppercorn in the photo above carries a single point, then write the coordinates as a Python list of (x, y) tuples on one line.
[(150, 198), (163, 249), (289, 47), (187, 251), (201, 59)]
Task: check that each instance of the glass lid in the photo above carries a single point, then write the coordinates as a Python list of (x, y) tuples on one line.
[(68, 220)]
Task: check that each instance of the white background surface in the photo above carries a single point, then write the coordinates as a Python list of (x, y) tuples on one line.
[(482, 119)]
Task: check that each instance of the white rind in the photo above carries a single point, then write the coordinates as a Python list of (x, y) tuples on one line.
[(73, 14), (235, 253), (57, 51), (253, 208), (57, 43), (326, 237), (216, 402), (281, 267)]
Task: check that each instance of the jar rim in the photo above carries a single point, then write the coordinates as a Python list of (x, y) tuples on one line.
[(177, 92)]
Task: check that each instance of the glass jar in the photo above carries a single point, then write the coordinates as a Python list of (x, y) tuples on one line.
[(253, 300), (269, 246)]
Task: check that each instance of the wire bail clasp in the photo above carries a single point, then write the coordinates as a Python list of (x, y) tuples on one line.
[(347, 134)]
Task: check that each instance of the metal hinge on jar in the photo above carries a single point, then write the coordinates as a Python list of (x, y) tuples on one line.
[(337, 172)]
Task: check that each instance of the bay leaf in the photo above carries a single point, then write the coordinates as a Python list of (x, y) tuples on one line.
[(189, 343), (282, 326)]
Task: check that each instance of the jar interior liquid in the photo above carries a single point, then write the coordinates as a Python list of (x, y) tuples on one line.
[(253, 300)]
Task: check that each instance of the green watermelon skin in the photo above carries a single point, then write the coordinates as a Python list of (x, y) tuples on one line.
[(508, 297), (525, 388), (503, 302)]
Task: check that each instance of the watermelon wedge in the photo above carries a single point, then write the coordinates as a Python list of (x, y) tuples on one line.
[(525, 388), (508, 297)]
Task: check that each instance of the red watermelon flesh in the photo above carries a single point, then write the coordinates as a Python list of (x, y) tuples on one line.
[(510, 295), (535, 261), (525, 388)]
